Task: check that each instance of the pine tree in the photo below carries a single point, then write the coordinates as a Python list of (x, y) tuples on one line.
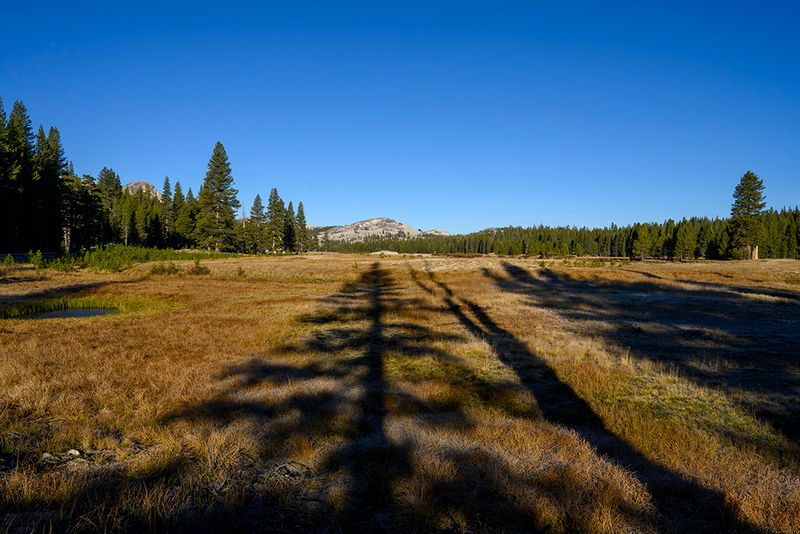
[(642, 244), (81, 211), (5, 186), (275, 220), (289, 242), (54, 138), (667, 234), (19, 167), (191, 207), (217, 203), (142, 219), (60, 165), (748, 205), (180, 212), (109, 188), (255, 235), (167, 215), (178, 199), (704, 238), (47, 192), (685, 241), (301, 231), (791, 240)]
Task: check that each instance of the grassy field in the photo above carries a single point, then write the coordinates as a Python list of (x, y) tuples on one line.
[(339, 392)]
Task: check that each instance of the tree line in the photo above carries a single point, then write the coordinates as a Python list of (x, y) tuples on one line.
[(45, 206), (697, 237), (750, 229)]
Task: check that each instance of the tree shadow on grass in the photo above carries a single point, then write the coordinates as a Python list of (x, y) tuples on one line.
[(382, 457), (51, 292), (682, 504), (334, 441), (725, 288), (715, 335), (340, 398), (5, 280)]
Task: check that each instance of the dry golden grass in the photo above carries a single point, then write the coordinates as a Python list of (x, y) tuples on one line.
[(405, 393)]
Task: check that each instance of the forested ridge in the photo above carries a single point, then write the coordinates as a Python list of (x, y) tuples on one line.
[(45, 206), (697, 237)]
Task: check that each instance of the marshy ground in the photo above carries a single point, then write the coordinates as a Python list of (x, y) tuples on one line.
[(350, 393)]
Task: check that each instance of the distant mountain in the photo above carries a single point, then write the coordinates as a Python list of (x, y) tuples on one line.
[(379, 227), (147, 187)]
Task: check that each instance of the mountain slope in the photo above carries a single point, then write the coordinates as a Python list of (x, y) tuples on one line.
[(378, 227), (147, 187)]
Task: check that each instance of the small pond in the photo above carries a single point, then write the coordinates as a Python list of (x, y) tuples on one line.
[(74, 312)]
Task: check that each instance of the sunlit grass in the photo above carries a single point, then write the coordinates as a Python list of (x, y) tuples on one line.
[(241, 397)]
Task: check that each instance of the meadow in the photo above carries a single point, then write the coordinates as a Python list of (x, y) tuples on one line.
[(410, 393)]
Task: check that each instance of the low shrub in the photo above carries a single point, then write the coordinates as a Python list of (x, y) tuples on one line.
[(120, 257), (7, 265), (198, 269), (36, 259), (64, 264), (162, 268)]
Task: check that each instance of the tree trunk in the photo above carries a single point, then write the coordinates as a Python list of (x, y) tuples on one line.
[(67, 240), (754, 252)]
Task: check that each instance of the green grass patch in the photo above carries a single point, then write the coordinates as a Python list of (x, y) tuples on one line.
[(404, 367), (24, 310), (117, 258), (671, 398)]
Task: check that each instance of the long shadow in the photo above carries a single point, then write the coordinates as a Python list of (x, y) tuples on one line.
[(329, 398), (72, 290), (20, 279), (366, 458), (353, 336), (51, 292), (716, 286), (334, 389), (718, 337), (682, 504), (370, 458)]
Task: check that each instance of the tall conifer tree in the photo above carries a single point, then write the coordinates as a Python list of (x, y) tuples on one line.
[(301, 231), (643, 244), (5, 185), (256, 234), (217, 203), (19, 160), (191, 208), (748, 205), (167, 214), (275, 220), (180, 212), (289, 241), (109, 187), (47, 192), (685, 241)]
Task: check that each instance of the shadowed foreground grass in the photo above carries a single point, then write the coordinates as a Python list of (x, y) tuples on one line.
[(345, 393)]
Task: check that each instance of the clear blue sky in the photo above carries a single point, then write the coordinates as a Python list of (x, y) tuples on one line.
[(456, 115)]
